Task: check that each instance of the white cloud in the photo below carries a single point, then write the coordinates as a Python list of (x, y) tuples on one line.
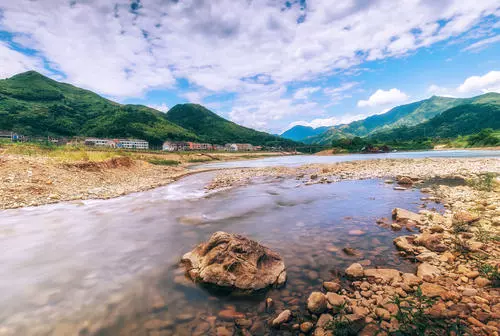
[(482, 43), (328, 121), (489, 82), (160, 107), (14, 62), (226, 46), (437, 90), (304, 93), (381, 97)]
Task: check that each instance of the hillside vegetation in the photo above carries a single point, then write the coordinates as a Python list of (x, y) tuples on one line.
[(404, 115), (212, 128), (299, 132), (35, 105)]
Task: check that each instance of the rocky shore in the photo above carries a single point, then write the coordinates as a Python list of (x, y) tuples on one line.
[(30, 180)]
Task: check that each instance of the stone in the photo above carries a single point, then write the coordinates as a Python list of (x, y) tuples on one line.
[(243, 323), (427, 256), (335, 299), (331, 286), (387, 275), (404, 215), (223, 331), (396, 227), (410, 279), (427, 271), (230, 315), (324, 320), (235, 262), (306, 327), (350, 251), (432, 241), (404, 180), (463, 216), (469, 292), (436, 229), (432, 289), (316, 303), (355, 271), (403, 244), (201, 329), (356, 232), (283, 317), (482, 282), (383, 313)]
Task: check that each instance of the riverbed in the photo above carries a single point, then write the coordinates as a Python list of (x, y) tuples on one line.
[(110, 267), (67, 263)]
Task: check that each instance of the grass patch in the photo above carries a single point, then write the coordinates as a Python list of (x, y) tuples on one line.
[(491, 272), (413, 319), (484, 182), (162, 162)]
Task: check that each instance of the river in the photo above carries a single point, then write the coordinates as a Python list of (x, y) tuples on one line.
[(112, 265)]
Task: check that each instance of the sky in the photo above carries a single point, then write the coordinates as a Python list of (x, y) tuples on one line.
[(265, 64)]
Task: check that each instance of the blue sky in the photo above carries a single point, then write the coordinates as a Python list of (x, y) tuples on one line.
[(265, 64)]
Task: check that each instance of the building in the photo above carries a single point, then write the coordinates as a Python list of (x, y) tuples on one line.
[(199, 146), (98, 142), (239, 147), (12, 136), (175, 146), (131, 143), (117, 143), (218, 147)]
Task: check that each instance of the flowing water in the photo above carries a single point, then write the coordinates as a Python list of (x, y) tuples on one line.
[(66, 269)]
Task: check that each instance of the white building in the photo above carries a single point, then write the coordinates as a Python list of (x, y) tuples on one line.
[(132, 144)]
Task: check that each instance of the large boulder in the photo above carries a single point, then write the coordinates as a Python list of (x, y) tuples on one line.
[(432, 241), (235, 262), (404, 215)]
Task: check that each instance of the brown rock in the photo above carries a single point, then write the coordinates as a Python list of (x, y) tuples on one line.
[(306, 327), (383, 313), (335, 299), (432, 289), (231, 260), (386, 274), (404, 180), (465, 217), (230, 315), (432, 241), (405, 215), (324, 320), (410, 279), (316, 303), (427, 271), (223, 331), (283, 317), (355, 271), (331, 286), (482, 282)]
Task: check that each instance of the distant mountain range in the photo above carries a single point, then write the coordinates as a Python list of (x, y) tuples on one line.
[(34, 105), (427, 115), (299, 132)]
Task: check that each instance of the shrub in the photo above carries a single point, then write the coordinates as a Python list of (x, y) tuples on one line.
[(162, 162)]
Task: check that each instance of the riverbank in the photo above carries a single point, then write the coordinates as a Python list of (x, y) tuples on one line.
[(353, 170), (35, 177)]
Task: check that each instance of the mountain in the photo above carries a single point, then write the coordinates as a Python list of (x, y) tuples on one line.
[(299, 132), (212, 128), (464, 119), (35, 105), (404, 115)]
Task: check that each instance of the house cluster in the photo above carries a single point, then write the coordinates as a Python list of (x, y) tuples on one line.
[(117, 143), (12, 136), (177, 146)]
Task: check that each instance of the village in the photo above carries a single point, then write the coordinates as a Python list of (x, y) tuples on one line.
[(137, 144)]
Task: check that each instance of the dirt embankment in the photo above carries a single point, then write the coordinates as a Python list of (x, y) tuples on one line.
[(35, 179)]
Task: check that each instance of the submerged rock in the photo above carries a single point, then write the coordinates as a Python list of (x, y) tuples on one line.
[(235, 262)]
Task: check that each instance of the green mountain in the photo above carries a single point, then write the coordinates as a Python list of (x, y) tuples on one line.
[(404, 115), (464, 119), (35, 105), (300, 132), (212, 128)]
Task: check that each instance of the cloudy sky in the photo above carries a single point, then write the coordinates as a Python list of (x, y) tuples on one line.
[(266, 64)]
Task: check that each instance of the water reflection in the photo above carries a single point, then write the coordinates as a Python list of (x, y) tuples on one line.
[(115, 261)]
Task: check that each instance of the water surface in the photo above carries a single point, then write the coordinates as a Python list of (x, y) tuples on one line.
[(73, 265)]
